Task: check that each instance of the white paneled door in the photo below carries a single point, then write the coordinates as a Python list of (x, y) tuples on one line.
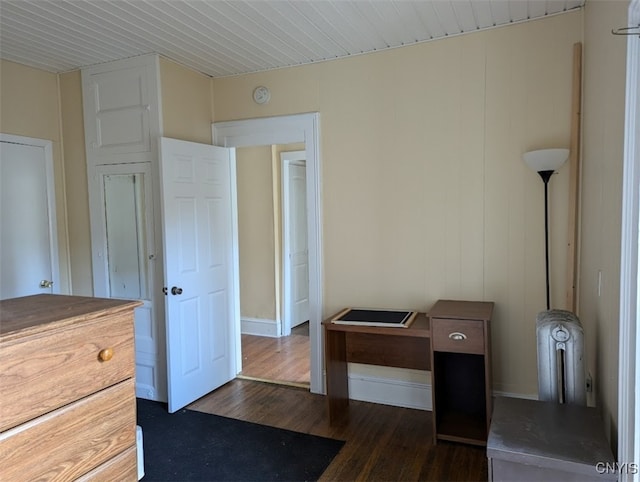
[(28, 247), (296, 247), (197, 227)]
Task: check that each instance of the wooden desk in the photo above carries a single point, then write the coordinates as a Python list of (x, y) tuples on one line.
[(372, 345), (453, 341)]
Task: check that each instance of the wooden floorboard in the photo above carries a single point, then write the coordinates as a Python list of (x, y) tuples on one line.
[(383, 443), (284, 360)]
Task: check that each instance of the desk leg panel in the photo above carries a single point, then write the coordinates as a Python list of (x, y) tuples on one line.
[(337, 375)]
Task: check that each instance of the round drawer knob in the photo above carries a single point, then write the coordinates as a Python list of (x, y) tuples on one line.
[(106, 354)]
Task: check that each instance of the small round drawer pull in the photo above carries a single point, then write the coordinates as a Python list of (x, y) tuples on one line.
[(106, 354), (457, 336)]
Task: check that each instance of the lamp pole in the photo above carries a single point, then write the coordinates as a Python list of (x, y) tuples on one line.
[(546, 175), (545, 162)]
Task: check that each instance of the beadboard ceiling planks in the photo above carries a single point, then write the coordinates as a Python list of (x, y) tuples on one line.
[(223, 38)]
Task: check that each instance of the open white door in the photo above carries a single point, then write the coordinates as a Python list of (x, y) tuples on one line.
[(295, 245), (197, 231)]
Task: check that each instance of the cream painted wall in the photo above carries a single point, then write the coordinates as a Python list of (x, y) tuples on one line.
[(425, 194), (29, 106), (424, 191), (602, 158), (256, 234), (186, 103), (76, 181)]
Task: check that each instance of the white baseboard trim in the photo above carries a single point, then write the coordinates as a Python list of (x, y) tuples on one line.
[(389, 391), (401, 393), (259, 327), (499, 393)]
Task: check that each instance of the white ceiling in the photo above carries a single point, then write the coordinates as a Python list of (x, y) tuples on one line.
[(221, 38)]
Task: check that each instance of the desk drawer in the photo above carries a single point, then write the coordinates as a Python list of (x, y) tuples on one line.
[(73, 440), (42, 372), (458, 336)]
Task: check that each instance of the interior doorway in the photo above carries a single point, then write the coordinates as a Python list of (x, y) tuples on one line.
[(273, 264), (298, 128)]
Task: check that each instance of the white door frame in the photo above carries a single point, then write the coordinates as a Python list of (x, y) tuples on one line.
[(287, 129), (287, 158), (629, 342), (47, 145)]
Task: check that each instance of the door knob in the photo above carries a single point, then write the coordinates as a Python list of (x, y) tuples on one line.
[(176, 291), (46, 283)]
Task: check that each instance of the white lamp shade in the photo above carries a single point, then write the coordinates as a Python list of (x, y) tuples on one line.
[(546, 159)]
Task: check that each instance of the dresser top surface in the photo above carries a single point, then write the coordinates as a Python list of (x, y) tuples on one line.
[(31, 314)]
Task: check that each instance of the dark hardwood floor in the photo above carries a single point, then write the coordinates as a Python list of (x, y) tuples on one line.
[(383, 443)]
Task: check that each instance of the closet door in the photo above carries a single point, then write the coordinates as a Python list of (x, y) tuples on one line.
[(121, 105), (28, 237), (121, 110), (124, 259)]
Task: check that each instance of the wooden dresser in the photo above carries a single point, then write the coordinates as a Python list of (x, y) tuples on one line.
[(67, 396)]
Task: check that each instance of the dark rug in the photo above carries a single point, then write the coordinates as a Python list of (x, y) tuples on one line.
[(195, 446)]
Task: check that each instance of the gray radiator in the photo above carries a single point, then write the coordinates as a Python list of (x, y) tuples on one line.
[(561, 371)]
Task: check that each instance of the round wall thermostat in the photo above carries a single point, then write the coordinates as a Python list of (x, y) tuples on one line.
[(261, 95)]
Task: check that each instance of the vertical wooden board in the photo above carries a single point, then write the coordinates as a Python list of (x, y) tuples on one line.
[(472, 169), (526, 229), (438, 157), (445, 196), (549, 72), (574, 180), (498, 177)]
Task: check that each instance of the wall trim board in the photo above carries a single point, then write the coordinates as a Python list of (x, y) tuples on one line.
[(390, 391), (401, 393), (259, 327), (525, 396), (629, 334)]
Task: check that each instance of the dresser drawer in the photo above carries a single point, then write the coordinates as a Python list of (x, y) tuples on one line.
[(42, 372), (71, 441), (459, 336), (121, 468)]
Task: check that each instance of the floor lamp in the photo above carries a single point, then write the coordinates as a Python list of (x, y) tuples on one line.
[(545, 162)]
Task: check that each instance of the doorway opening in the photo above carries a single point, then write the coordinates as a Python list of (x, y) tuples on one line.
[(273, 264), (288, 129)]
